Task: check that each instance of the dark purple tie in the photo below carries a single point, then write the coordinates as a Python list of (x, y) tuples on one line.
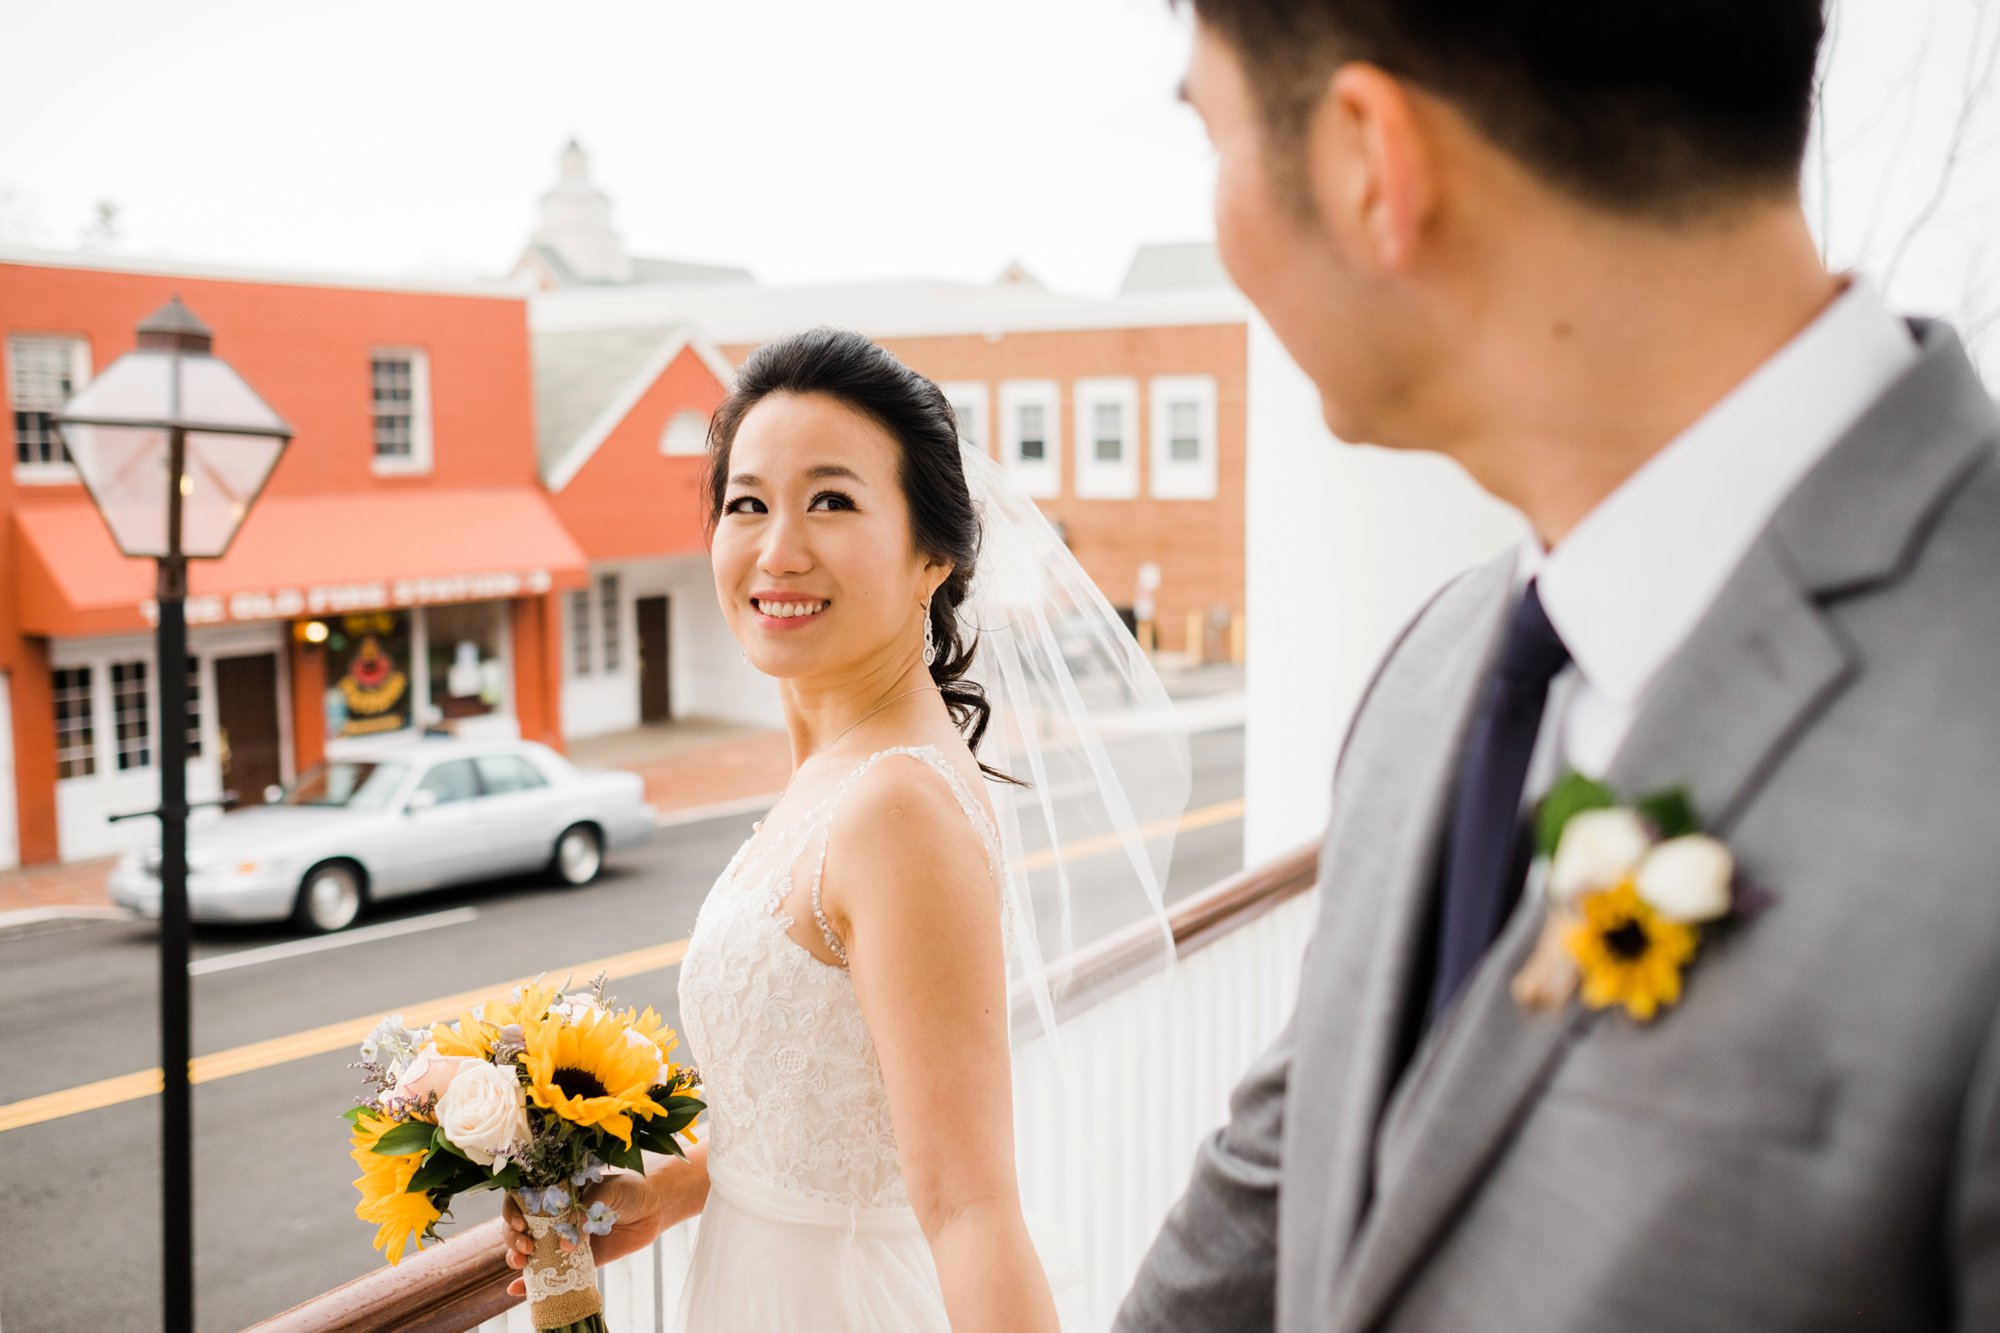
[(1485, 854)]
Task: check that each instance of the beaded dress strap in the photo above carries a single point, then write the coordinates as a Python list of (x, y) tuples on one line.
[(931, 758)]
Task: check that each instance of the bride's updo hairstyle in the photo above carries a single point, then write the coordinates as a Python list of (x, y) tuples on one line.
[(849, 368)]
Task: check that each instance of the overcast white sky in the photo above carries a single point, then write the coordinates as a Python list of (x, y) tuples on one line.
[(807, 139)]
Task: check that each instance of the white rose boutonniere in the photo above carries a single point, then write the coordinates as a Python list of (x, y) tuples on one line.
[(1631, 891)]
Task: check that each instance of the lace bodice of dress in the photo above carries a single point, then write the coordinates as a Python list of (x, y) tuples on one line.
[(788, 1069)]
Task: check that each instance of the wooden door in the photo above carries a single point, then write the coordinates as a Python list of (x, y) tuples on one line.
[(246, 715), (655, 697)]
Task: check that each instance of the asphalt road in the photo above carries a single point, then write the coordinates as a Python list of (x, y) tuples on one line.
[(273, 1194)]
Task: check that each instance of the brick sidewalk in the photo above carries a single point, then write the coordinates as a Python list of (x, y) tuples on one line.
[(686, 765)]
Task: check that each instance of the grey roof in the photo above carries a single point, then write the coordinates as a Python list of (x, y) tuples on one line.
[(644, 271), (674, 270), (1168, 268), (578, 374)]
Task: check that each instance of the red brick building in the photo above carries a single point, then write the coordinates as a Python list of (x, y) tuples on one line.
[(404, 566)]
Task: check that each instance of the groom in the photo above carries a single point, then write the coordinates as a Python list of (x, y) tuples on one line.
[(1562, 243)]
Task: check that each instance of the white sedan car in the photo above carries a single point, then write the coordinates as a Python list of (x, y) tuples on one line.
[(384, 820)]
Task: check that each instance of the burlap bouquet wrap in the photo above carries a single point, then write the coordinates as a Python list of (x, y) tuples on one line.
[(562, 1285)]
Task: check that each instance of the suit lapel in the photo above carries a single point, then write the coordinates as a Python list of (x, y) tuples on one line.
[(1760, 665), (1400, 791)]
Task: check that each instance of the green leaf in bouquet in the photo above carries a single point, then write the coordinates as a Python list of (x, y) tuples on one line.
[(406, 1138), (352, 1114), (437, 1170), (509, 1179), (628, 1159)]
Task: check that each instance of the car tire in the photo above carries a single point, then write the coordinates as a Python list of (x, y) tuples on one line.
[(578, 856), (330, 897)]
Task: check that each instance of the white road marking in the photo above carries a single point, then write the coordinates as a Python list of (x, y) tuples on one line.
[(271, 953)]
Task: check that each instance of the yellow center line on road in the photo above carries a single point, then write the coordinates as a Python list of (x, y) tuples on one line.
[(350, 1032)]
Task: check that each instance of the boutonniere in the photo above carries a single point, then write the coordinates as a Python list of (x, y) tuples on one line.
[(1631, 890)]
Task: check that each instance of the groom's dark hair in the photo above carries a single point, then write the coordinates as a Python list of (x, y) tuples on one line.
[(1667, 109)]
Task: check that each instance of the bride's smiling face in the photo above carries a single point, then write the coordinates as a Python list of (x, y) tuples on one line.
[(814, 563)]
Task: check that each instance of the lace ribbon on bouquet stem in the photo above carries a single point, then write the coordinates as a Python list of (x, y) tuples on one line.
[(562, 1284)]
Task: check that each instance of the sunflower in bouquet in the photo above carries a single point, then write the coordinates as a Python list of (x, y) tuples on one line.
[(540, 1093)]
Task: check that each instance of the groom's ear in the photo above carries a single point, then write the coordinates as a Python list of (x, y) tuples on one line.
[(1370, 172)]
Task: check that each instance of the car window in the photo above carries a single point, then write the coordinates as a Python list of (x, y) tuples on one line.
[(348, 785), (451, 781), (508, 772)]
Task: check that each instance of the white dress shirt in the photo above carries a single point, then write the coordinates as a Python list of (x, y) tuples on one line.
[(1629, 583)]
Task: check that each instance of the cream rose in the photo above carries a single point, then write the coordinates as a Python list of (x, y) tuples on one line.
[(427, 1073), (484, 1110), (1687, 879), (1598, 848)]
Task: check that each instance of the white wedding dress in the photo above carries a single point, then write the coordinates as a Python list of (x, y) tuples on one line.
[(808, 1226)]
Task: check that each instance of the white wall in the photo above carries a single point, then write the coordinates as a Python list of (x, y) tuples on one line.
[(1344, 544), (84, 805), (709, 675)]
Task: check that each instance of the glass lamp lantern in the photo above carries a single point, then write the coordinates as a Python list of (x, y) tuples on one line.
[(172, 417)]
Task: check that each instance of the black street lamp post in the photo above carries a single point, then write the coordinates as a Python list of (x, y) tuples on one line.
[(174, 448)]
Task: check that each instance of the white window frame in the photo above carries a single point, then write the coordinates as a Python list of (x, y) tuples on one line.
[(1095, 478), (685, 435), (1042, 477), (968, 401), (419, 461), (1183, 480), (45, 474)]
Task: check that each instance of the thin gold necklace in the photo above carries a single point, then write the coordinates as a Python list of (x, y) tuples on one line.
[(872, 712), (758, 826)]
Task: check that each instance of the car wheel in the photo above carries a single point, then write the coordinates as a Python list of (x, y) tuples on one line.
[(330, 897), (579, 855)]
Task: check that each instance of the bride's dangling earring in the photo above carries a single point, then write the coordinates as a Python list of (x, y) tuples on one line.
[(930, 635)]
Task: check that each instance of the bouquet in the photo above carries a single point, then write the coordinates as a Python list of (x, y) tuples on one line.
[(540, 1094)]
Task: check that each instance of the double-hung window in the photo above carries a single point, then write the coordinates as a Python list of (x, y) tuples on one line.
[(130, 709), (42, 375), (1183, 408), (968, 404), (1107, 439), (399, 386), (76, 731), (610, 622), (580, 655), (1031, 435)]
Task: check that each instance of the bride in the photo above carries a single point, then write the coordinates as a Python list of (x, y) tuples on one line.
[(844, 992)]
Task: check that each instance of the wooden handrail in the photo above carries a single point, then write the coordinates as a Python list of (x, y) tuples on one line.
[(462, 1283), (447, 1288), (1098, 971)]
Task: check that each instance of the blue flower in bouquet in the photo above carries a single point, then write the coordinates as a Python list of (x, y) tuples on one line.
[(600, 1219), (593, 1171), (568, 1233), (546, 1202)]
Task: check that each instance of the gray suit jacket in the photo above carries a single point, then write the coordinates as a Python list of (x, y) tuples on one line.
[(1811, 1139)]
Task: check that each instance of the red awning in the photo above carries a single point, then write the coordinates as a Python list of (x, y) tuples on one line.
[(302, 556)]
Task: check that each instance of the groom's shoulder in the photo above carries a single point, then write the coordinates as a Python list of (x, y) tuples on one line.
[(1441, 633)]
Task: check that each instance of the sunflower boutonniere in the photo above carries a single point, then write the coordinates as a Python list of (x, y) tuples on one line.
[(1631, 889)]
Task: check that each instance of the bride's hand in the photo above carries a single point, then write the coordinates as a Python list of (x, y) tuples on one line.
[(641, 1217)]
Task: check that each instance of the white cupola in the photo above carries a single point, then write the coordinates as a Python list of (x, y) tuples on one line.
[(576, 224)]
